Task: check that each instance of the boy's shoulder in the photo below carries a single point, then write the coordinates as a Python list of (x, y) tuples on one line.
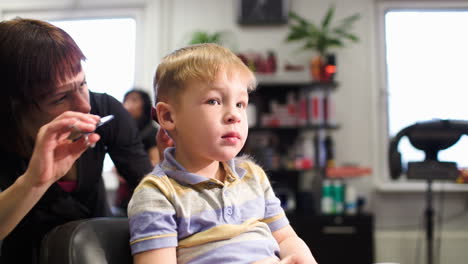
[(157, 179), (156, 174)]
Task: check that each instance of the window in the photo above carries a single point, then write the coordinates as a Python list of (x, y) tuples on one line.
[(426, 60), (109, 46)]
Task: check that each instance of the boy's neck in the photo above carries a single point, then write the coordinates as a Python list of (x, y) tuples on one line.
[(211, 169)]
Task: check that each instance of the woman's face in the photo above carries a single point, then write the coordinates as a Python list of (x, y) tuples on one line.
[(72, 95), (134, 105)]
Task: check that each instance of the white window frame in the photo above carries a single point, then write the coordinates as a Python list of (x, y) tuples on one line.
[(383, 180)]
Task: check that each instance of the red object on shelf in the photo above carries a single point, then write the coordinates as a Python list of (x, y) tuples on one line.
[(303, 164), (463, 176), (348, 172)]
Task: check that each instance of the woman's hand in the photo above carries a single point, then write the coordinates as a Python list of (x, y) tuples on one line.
[(54, 154)]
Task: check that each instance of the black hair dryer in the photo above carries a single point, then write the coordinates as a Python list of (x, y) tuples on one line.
[(430, 137)]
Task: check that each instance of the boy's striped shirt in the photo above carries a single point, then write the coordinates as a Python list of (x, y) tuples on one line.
[(207, 220)]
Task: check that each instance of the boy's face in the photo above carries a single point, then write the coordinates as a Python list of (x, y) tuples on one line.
[(210, 118)]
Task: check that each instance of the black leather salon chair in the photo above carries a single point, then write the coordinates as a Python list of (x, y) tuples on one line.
[(88, 241)]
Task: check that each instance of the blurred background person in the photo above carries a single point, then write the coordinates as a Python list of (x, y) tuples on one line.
[(138, 104)]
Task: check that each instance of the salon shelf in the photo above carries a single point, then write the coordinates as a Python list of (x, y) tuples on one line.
[(291, 81), (293, 128), (337, 172), (283, 170), (348, 172), (271, 138)]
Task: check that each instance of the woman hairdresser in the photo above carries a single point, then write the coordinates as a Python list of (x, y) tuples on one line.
[(48, 174)]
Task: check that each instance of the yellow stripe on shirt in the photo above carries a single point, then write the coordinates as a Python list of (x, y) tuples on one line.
[(217, 233), (152, 237)]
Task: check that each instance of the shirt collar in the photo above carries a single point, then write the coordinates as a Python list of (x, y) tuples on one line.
[(170, 167)]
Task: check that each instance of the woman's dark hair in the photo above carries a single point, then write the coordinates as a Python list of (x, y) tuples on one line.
[(146, 117), (34, 57)]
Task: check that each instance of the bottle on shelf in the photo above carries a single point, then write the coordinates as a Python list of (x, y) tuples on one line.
[(329, 151), (329, 69), (327, 197), (350, 200), (271, 62), (302, 116), (252, 115), (329, 109), (338, 196), (333, 196), (315, 107), (303, 152)]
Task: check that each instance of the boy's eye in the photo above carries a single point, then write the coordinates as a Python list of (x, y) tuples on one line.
[(213, 102), (241, 105)]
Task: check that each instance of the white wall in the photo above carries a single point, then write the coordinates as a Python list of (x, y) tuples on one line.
[(356, 66), (167, 25)]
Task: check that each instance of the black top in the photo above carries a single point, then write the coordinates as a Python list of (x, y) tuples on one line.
[(148, 135), (118, 138)]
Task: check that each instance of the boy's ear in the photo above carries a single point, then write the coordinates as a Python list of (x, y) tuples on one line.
[(164, 113)]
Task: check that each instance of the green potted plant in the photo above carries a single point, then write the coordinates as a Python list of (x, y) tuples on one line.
[(322, 37), (199, 37)]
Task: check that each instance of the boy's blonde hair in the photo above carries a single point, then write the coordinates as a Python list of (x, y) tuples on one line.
[(199, 62)]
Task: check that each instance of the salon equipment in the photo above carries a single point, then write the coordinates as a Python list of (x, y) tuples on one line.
[(430, 137)]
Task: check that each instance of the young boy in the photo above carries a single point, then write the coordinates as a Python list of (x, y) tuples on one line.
[(201, 204)]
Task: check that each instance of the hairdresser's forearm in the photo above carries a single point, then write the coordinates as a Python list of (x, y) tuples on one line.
[(16, 202)]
